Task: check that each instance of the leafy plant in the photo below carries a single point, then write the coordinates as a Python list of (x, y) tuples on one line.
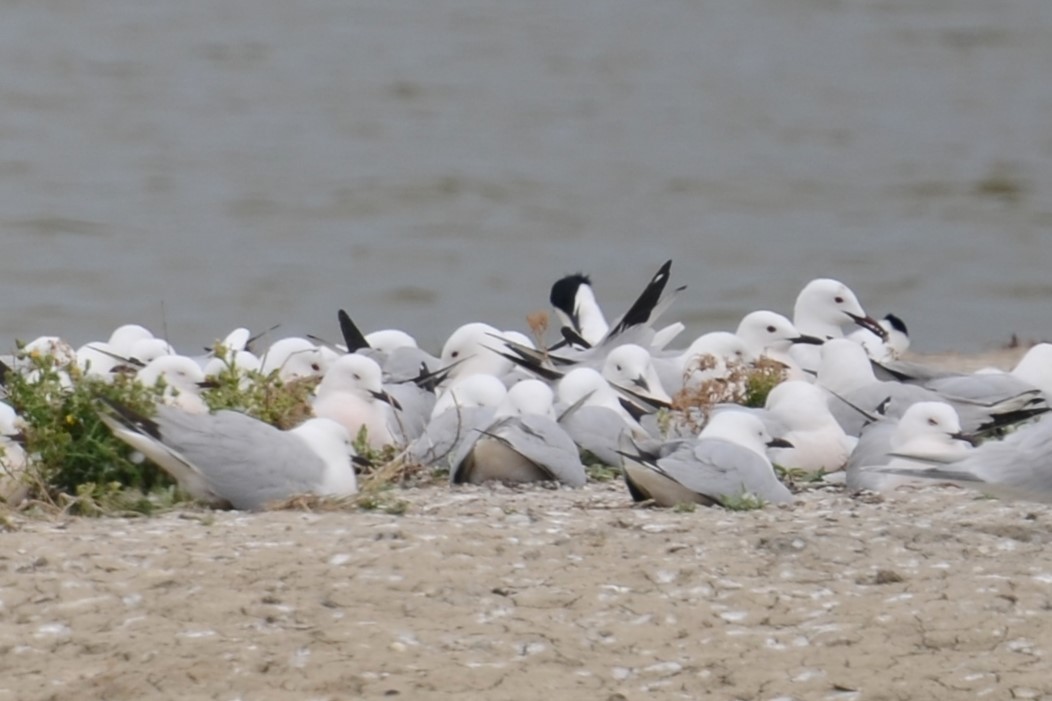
[(266, 397), (69, 444)]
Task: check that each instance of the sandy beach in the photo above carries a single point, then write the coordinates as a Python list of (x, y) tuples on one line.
[(528, 593), (535, 593)]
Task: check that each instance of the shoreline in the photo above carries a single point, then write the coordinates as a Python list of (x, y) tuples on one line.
[(504, 592)]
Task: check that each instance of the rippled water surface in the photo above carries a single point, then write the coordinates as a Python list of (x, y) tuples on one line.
[(194, 166)]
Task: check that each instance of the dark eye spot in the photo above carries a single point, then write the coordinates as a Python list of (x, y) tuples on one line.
[(839, 300), (315, 367), (933, 422), (454, 354), (619, 368), (771, 329), (357, 376)]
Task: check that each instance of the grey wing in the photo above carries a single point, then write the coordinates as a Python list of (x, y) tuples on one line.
[(445, 437), (597, 430), (1023, 460), (721, 469), (906, 371), (873, 447), (893, 397), (403, 364), (542, 441), (999, 391), (466, 443), (409, 422), (245, 461)]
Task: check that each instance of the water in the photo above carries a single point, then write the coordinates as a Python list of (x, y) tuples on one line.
[(195, 166)]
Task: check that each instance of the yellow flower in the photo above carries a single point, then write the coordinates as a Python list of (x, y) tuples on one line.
[(70, 419)]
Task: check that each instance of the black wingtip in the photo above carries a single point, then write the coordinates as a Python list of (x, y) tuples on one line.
[(352, 336), (531, 365), (639, 312), (129, 417)]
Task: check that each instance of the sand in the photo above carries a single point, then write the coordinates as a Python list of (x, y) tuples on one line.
[(494, 592), (529, 593)]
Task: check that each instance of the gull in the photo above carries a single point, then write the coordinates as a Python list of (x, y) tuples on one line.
[(13, 458), (822, 308), (1016, 467), (631, 367), (389, 340), (469, 351), (395, 350), (228, 459), (772, 335), (293, 358), (727, 460), (819, 443), (96, 359), (125, 337), (1032, 376), (146, 350), (183, 379), (470, 391), (594, 416), (462, 409), (1035, 368), (522, 444), (352, 393), (847, 373), (927, 430)]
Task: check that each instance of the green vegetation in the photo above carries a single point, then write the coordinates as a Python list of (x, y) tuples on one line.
[(73, 452), (266, 397), (78, 465), (765, 375), (742, 502)]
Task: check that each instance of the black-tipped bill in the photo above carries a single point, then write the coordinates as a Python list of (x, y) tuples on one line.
[(809, 340), (779, 443)]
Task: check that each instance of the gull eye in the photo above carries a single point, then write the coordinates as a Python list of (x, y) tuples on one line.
[(315, 367), (933, 421), (618, 368), (771, 329), (357, 376), (454, 354), (838, 300)]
